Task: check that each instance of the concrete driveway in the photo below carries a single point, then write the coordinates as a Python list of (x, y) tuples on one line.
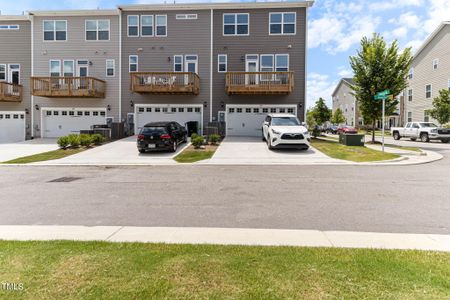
[(20, 149), (253, 151), (121, 152)]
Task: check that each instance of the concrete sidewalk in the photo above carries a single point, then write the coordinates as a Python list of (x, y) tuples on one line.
[(16, 150), (230, 236)]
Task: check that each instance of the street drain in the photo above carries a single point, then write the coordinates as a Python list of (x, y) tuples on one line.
[(65, 179)]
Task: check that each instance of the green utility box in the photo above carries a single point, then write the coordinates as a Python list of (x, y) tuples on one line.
[(351, 139)]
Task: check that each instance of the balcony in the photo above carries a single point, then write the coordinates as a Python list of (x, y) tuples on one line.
[(259, 83), (68, 87), (177, 83), (10, 92)]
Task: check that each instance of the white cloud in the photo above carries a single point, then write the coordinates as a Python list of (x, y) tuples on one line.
[(319, 85), (394, 4), (344, 72)]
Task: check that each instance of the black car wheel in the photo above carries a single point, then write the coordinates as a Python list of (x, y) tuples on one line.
[(445, 141), (185, 138), (396, 136), (174, 146), (141, 151), (413, 139), (424, 137)]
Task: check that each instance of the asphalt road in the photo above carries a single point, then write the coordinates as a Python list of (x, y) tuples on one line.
[(406, 199)]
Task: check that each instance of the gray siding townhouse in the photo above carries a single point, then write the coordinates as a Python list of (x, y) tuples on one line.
[(221, 62), (15, 72), (75, 78), (344, 98), (430, 73)]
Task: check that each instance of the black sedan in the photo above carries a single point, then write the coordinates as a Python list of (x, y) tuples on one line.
[(161, 136)]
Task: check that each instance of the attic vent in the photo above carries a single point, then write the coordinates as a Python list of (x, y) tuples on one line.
[(65, 179)]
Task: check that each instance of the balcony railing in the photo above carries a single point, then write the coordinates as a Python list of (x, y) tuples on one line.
[(259, 82), (68, 87), (10, 92), (165, 83)]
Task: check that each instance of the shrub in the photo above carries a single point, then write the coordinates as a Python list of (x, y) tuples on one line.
[(214, 138), (74, 140), (98, 139), (63, 142), (85, 140), (197, 141), (194, 135)]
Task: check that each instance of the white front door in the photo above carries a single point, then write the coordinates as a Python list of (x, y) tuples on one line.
[(12, 125), (190, 65), (251, 65), (14, 77), (82, 71)]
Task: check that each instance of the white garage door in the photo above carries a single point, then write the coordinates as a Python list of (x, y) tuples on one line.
[(58, 122), (179, 113), (12, 126), (247, 120)]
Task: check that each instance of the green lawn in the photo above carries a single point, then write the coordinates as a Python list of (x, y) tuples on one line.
[(351, 153), (99, 270), (56, 154), (190, 154)]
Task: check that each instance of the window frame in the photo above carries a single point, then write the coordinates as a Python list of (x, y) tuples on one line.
[(409, 117), (54, 31), (156, 26), (236, 24), (63, 67), (411, 73), (9, 27), (431, 91), (97, 30), (175, 63), (275, 61), (410, 95), (5, 72), (435, 65), (50, 67), (129, 63), (219, 63), (426, 116), (448, 84), (128, 26), (113, 67), (283, 23), (141, 26)]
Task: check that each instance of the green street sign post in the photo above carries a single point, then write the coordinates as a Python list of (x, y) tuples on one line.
[(383, 96)]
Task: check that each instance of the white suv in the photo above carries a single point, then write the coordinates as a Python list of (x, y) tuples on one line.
[(285, 131)]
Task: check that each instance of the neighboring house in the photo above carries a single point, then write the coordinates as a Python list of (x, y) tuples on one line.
[(210, 63), (15, 72), (344, 98), (429, 73), (75, 80)]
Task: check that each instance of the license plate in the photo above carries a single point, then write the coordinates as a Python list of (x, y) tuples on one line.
[(151, 146)]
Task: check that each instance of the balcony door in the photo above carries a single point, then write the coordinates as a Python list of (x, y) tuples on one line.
[(14, 77), (251, 65), (82, 71), (190, 65)]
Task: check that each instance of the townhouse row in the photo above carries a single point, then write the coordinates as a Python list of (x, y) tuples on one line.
[(222, 63)]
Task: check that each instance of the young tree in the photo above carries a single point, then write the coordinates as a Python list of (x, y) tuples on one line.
[(310, 120), (338, 117), (441, 107), (321, 112), (378, 67)]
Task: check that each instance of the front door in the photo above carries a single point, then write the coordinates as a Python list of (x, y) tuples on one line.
[(82, 71), (14, 77), (251, 65), (190, 65)]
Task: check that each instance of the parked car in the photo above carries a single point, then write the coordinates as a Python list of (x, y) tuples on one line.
[(161, 136), (332, 129), (346, 130), (285, 131), (425, 131)]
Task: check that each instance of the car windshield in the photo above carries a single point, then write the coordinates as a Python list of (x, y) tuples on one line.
[(154, 130), (428, 125), (285, 121)]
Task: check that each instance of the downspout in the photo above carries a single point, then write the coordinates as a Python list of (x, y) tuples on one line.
[(32, 74), (211, 71), (120, 64), (306, 64)]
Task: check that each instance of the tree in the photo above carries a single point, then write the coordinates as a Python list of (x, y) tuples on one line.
[(310, 120), (338, 117), (321, 112), (441, 107), (378, 67)]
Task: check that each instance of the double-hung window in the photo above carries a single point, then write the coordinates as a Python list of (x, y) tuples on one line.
[(146, 25), (435, 63), (281, 62), (68, 68), (133, 25), (55, 68), (133, 63), (222, 63), (110, 67), (411, 73), (161, 25), (410, 95), (2, 72), (266, 65), (282, 23), (55, 30), (426, 116), (178, 63), (97, 30), (448, 84), (428, 91), (236, 24)]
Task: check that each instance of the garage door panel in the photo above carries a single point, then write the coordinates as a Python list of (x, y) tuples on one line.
[(60, 122), (12, 127)]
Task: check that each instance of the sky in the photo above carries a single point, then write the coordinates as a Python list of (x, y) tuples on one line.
[(335, 28)]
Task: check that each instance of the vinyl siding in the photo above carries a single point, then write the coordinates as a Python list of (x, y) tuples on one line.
[(424, 74), (184, 37), (15, 47), (76, 47), (344, 99), (260, 42)]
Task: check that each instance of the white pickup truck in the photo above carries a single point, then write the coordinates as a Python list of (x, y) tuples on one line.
[(425, 131)]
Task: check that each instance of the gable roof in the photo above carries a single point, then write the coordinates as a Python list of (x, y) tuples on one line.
[(431, 37), (348, 81)]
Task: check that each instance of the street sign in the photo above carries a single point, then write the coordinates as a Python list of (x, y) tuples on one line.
[(382, 95), (386, 94)]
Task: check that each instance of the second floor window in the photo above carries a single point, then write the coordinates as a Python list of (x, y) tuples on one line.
[(161, 25), (110, 67), (410, 95), (178, 63), (68, 68), (97, 30), (428, 91), (146, 25), (133, 63), (55, 30), (411, 73), (55, 68), (435, 64), (281, 62), (2, 72), (282, 23), (133, 26), (222, 62), (235, 24)]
